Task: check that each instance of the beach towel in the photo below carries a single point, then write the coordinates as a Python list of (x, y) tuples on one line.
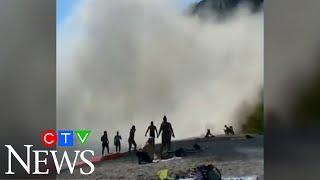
[(166, 160), (170, 159)]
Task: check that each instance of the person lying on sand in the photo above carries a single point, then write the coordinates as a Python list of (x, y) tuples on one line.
[(146, 155)]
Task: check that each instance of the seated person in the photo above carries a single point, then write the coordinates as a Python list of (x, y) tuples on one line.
[(147, 153), (231, 130), (209, 134), (228, 130)]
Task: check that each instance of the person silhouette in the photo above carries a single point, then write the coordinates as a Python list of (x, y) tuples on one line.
[(226, 130), (231, 130), (167, 132), (117, 143), (152, 129), (105, 142), (146, 154), (209, 134), (131, 138)]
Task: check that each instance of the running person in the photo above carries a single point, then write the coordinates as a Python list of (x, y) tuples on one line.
[(131, 138)]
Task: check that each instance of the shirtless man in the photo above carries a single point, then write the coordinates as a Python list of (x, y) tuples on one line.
[(152, 129)]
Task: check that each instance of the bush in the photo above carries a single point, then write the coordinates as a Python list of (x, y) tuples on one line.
[(254, 122)]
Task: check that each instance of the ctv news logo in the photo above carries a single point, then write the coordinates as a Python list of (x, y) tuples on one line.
[(50, 138), (64, 137)]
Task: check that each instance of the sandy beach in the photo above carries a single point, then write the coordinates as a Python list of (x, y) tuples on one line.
[(233, 155)]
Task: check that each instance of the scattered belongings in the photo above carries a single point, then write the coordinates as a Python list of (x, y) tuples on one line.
[(238, 139), (228, 130), (167, 155), (171, 159), (241, 178), (181, 152), (155, 161), (163, 174), (166, 160), (249, 136), (242, 137), (203, 172), (209, 172), (196, 147)]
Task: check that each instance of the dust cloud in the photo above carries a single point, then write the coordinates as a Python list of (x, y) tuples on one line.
[(124, 63)]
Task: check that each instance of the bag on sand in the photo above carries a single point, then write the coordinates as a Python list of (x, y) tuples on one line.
[(209, 172)]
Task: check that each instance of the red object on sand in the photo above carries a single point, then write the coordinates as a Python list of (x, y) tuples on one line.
[(98, 159)]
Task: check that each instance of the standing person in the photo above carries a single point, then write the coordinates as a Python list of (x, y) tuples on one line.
[(131, 138), (167, 132), (105, 142), (117, 143), (152, 131)]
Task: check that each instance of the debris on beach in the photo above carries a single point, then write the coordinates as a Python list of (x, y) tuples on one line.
[(182, 152), (241, 178), (202, 172)]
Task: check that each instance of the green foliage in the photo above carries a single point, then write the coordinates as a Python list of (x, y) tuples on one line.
[(254, 122), (305, 108)]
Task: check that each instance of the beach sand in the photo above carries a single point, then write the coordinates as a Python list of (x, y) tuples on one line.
[(233, 155)]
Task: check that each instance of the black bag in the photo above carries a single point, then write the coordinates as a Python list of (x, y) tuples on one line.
[(180, 152), (196, 147), (210, 172)]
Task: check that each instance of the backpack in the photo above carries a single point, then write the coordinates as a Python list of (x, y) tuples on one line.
[(180, 152), (210, 172)]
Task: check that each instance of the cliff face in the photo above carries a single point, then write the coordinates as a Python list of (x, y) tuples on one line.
[(223, 8)]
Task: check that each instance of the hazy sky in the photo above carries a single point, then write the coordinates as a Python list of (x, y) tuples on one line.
[(65, 8)]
